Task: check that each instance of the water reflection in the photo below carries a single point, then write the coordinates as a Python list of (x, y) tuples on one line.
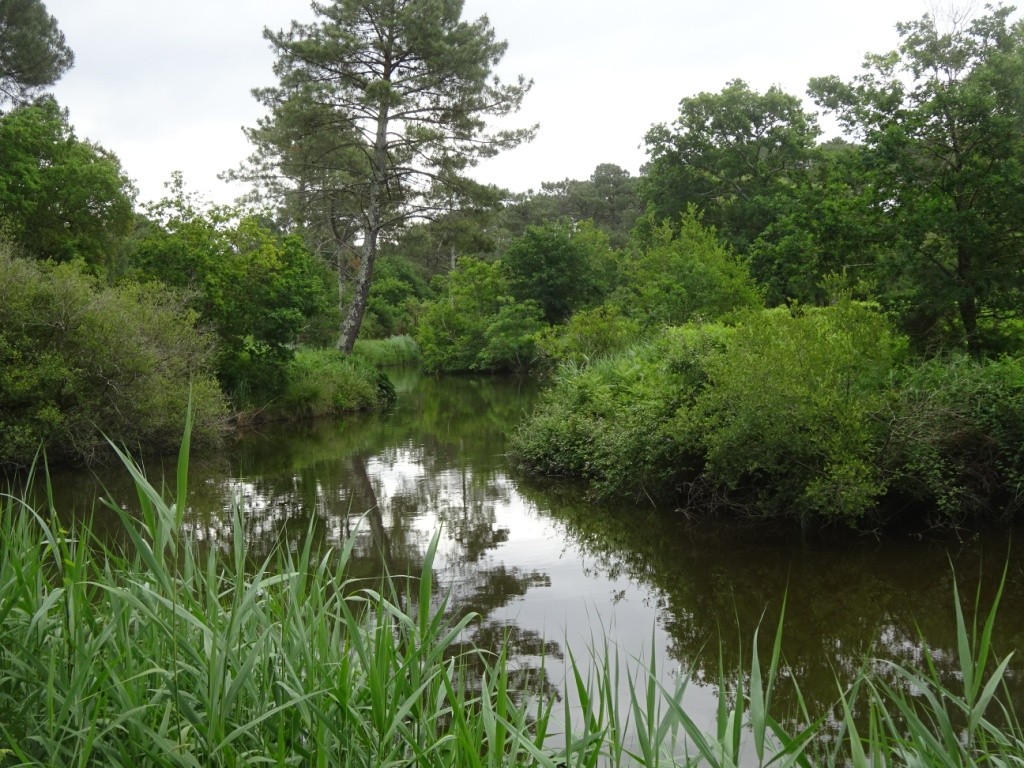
[(845, 601), (543, 569)]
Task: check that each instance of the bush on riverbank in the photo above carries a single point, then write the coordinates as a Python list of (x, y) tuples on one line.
[(610, 422), (475, 324), (324, 382), (955, 439), (165, 656), (806, 414), (81, 362)]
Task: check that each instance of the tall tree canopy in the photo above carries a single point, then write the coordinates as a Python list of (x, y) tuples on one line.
[(61, 197), (379, 111), (941, 122), (33, 53), (734, 154)]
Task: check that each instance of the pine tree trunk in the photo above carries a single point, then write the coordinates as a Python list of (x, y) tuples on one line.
[(374, 216), (361, 292)]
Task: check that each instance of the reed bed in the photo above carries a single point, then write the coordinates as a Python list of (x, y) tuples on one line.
[(392, 352), (159, 655)]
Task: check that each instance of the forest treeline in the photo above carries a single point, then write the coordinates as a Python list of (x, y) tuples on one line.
[(764, 320)]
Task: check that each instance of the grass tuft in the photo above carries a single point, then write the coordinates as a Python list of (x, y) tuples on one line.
[(393, 352)]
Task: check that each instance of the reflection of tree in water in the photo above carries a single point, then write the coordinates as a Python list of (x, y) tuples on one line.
[(845, 601), (390, 481)]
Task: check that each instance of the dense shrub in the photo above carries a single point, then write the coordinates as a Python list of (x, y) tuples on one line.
[(812, 415), (79, 361), (956, 437), (776, 414), (588, 335), (323, 382), (475, 324), (611, 422), (685, 275), (789, 417)]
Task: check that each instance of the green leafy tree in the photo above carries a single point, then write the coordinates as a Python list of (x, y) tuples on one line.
[(379, 111), (734, 154), (33, 52), (826, 227), (560, 267), (62, 198), (682, 276), (258, 291), (475, 324), (398, 286), (941, 120), (609, 199)]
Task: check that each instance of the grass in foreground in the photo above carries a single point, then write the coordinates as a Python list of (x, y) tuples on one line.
[(163, 657)]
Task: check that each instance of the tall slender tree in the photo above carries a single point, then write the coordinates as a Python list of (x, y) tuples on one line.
[(380, 109)]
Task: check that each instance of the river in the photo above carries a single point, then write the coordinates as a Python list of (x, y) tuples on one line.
[(548, 573)]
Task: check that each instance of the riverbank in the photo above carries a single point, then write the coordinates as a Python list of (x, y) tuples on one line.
[(186, 651), (818, 416)]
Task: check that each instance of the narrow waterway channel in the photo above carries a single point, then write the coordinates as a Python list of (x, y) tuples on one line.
[(546, 572)]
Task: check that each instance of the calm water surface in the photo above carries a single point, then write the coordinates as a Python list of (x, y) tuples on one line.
[(547, 572)]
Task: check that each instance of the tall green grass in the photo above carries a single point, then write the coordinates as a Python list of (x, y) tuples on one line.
[(161, 655), (392, 352)]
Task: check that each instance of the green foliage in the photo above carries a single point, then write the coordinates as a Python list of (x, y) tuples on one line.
[(475, 324), (940, 122), (79, 361), (807, 414), (825, 226), (257, 291), (560, 267), (682, 276), (789, 416), (612, 421), (734, 154), (324, 382), (588, 335), (33, 52), (609, 200), (956, 441), (62, 198), (778, 414), (397, 288)]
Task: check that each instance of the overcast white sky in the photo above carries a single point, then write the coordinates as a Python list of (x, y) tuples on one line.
[(165, 84)]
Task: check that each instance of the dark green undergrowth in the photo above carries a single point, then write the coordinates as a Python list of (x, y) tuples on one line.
[(815, 414), (161, 655), (81, 361)]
